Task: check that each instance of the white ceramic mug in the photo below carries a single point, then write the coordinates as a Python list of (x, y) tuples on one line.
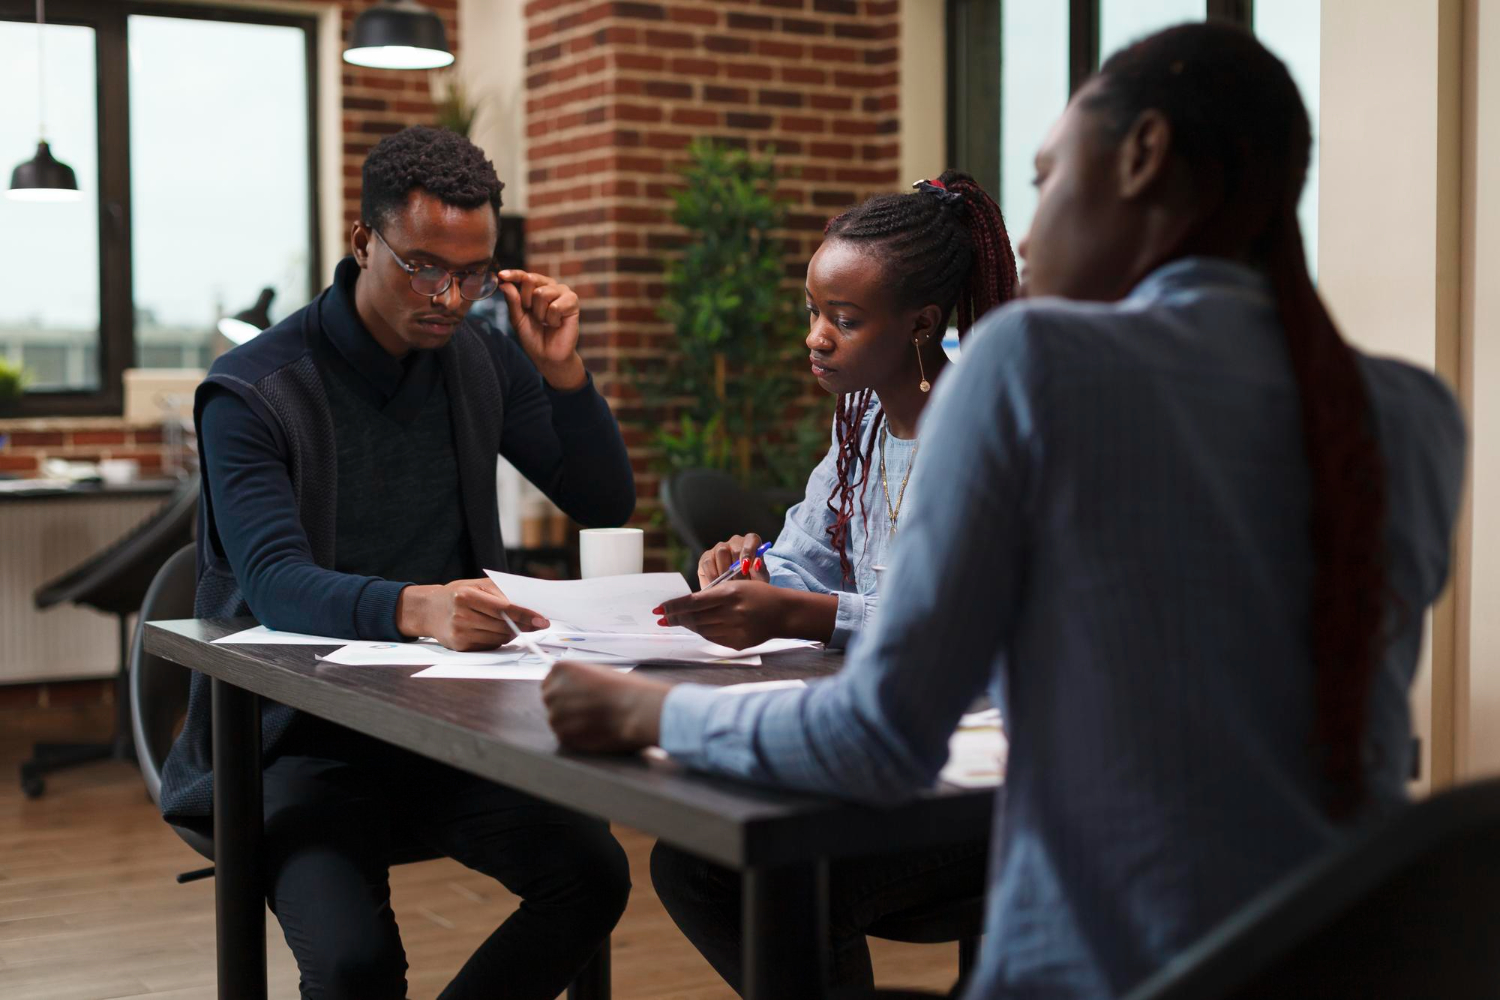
[(611, 551)]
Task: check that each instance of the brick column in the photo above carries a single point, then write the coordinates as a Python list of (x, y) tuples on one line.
[(616, 91)]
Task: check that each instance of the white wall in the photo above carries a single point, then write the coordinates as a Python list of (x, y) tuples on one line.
[(492, 66), (1480, 318), (1387, 241)]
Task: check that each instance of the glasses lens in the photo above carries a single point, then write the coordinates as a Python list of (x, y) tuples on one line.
[(479, 286), (430, 280)]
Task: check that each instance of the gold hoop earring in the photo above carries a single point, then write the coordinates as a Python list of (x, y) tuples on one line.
[(925, 385)]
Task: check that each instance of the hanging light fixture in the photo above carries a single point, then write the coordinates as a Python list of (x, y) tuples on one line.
[(246, 325), (398, 34), (43, 177)]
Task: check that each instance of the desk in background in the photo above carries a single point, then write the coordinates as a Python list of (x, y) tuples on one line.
[(44, 533)]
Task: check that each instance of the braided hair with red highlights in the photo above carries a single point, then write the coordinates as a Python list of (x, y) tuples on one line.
[(943, 245), (1239, 125)]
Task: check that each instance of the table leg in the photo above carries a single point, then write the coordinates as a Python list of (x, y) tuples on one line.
[(239, 898), (785, 937), (592, 981)]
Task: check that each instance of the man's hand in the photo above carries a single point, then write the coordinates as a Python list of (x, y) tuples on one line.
[(598, 710), (544, 314), (462, 615), (724, 555)]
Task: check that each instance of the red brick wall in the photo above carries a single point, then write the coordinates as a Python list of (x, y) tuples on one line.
[(24, 444), (615, 92)]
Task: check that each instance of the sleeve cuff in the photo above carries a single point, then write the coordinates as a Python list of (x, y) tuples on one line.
[(849, 619), (684, 721), (375, 611), (579, 398)]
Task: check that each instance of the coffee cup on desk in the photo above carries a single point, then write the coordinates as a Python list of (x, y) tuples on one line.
[(611, 551)]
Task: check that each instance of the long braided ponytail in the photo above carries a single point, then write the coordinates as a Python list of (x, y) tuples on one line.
[(944, 245)]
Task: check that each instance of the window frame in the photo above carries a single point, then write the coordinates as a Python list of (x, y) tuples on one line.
[(109, 20), (966, 50)]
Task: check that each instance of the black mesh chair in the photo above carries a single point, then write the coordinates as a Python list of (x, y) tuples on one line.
[(706, 506), (158, 703), (960, 920), (1412, 909), (113, 581)]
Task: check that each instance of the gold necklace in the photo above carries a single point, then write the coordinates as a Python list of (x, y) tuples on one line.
[(885, 485)]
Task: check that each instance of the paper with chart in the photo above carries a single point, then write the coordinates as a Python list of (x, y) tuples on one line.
[(617, 604)]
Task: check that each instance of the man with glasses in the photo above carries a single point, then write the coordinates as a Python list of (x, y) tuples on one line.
[(348, 458)]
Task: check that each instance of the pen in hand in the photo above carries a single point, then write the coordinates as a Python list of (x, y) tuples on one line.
[(522, 638), (739, 566)]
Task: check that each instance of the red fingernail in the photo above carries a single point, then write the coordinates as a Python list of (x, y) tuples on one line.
[(661, 621), (745, 566), (756, 567), (657, 610)]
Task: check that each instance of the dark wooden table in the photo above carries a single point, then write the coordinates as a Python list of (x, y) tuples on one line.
[(780, 841), (94, 491)]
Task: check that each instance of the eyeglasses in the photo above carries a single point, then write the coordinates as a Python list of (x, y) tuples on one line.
[(430, 281)]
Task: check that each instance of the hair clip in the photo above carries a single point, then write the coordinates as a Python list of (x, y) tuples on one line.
[(938, 189)]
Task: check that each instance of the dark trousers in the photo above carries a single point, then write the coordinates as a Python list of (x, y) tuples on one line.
[(341, 807), (704, 901)]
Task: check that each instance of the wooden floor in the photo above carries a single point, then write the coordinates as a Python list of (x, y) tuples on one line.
[(89, 910)]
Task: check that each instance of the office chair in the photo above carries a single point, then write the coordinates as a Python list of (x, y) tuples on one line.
[(1410, 909), (158, 702), (706, 506), (113, 581)]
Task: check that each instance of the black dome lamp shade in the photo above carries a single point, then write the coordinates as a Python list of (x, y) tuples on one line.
[(43, 177), (398, 34), (245, 325)]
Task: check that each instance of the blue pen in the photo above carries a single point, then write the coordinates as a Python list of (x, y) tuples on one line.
[(731, 571)]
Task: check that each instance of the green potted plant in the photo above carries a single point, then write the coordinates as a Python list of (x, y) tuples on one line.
[(730, 393), (13, 381)]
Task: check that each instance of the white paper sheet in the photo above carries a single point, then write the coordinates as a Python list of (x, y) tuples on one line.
[(529, 669), (766, 648), (262, 636), (616, 604), (411, 654), (640, 648), (977, 752), (765, 686)]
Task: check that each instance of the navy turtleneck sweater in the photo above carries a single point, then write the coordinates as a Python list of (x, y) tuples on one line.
[(399, 509)]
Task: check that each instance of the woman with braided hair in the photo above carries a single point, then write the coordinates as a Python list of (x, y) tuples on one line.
[(880, 293), (1168, 517)]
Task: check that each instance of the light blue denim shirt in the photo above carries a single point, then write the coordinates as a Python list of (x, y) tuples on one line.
[(804, 558), (1111, 530)]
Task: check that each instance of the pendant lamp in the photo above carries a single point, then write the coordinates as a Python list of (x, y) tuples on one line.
[(398, 34), (245, 325), (43, 177)]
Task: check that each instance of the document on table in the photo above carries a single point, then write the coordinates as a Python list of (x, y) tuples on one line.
[(262, 636), (977, 752), (648, 648), (618, 604), (528, 668), (412, 654)]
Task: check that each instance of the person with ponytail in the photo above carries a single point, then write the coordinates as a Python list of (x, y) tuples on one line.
[(1168, 516), (881, 290)]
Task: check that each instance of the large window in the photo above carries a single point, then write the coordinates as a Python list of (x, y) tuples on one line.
[(1000, 109), (206, 197)]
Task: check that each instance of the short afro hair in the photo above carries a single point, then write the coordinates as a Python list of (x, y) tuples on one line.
[(440, 161)]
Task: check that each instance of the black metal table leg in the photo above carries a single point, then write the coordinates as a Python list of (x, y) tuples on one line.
[(592, 981), (238, 824), (785, 938)]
